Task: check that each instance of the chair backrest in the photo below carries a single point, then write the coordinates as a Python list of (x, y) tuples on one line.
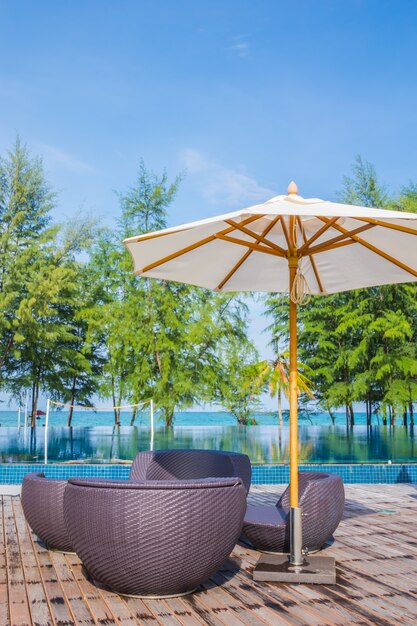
[(322, 498), (154, 537), (308, 483), (190, 464), (43, 505)]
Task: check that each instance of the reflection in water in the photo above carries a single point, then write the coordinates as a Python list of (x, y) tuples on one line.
[(263, 444)]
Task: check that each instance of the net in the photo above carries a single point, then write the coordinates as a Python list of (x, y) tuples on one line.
[(61, 414)]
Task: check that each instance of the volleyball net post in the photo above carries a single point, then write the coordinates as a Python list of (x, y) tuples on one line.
[(152, 427), (45, 447)]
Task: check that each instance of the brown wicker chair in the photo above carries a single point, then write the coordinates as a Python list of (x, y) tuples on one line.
[(188, 464), (43, 506), (154, 538), (322, 498)]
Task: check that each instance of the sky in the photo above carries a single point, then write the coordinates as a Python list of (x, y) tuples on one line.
[(239, 96)]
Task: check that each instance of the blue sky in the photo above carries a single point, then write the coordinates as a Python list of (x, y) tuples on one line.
[(241, 95)]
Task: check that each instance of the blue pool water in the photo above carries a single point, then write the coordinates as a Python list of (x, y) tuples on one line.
[(264, 444)]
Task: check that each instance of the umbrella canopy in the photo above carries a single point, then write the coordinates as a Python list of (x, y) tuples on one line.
[(341, 247), (287, 244)]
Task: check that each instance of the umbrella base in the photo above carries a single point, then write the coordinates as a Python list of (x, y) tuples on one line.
[(320, 570)]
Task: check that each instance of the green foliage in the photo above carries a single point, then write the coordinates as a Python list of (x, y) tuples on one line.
[(238, 389), (76, 321), (159, 339)]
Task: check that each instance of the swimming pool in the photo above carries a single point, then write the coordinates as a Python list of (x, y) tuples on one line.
[(264, 444)]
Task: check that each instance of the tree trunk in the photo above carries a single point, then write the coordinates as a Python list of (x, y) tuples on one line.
[(169, 418), (6, 351), (72, 401), (135, 410), (113, 395), (392, 415), (405, 416), (119, 402), (280, 420), (352, 415), (35, 396), (384, 414), (411, 411)]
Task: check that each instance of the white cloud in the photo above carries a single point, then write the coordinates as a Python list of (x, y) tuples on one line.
[(57, 157), (241, 46), (242, 49), (222, 185)]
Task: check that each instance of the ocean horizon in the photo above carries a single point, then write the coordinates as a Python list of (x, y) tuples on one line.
[(89, 417)]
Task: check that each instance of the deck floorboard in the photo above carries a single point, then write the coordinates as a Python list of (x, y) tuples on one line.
[(375, 548)]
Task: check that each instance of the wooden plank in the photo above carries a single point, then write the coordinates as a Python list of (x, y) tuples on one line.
[(4, 596), (70, 587), (303, 610), (162, 611), (253, 597), (217, 602), (183, 612), (91, 594), (59, 607), (18, 600), (118, 608), (141, 611), (204, 613), (38, 604)]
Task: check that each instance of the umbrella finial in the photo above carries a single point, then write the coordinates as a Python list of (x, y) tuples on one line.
[(292, 189)]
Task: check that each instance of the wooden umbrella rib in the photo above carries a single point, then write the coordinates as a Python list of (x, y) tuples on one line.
[(249, 244), (312, 261), (377, 251), (192, 246), (401, 229), (285, 231), (347, 242), (307, 242), (329, 243), (246, 255), (292, 232), (259, 237), (234, 270)]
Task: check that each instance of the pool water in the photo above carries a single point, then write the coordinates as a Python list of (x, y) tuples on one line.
[(263, 444)]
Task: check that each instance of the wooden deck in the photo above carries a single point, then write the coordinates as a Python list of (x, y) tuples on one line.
[(375, 547)]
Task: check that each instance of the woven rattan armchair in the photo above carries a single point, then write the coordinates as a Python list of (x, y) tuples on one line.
[(154, 538), (43, 506), (188, 464), (322, 498)]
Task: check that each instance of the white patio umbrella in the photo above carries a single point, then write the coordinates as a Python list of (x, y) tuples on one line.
[(288, 244)]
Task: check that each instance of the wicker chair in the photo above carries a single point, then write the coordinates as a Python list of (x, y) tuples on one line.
[(188, 464), (154, 538), (43, 506), (322, 498)]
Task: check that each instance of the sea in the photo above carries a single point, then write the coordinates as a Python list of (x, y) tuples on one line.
[(97, 417)]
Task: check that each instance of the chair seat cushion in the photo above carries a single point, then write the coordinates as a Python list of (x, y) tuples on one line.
[(265, 515), (266, 528)]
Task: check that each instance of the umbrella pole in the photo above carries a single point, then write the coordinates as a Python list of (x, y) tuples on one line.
[(296, 557), (297, 567)]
